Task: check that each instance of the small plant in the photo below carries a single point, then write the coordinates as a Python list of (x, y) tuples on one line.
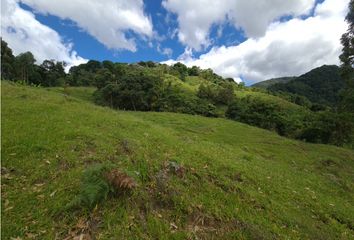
[(97, 182)]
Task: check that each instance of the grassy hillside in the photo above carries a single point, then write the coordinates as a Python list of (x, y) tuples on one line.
[(238, 182)]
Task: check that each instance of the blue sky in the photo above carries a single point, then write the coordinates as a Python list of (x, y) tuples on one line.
[(248, 40), (88, 47)]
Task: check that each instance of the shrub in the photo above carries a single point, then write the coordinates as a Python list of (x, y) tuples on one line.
[(136, 90), (254, 111), (259, 113), (217, 94), (329, 128)]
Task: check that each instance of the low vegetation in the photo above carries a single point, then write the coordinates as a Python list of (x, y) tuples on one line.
[(151, 151), (197, 177)]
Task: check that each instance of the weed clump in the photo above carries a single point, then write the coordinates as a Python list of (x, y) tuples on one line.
[(98, 182)]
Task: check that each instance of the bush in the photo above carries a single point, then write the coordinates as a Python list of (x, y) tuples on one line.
[(329, 128), (254, 112), (217, 94), (259, 113), (135, 90), (174, 99)]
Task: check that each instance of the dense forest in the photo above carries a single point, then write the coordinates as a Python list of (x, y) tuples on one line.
[(322, 85)]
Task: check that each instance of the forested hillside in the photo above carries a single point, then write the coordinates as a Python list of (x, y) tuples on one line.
[(322, 85), (267, 83)]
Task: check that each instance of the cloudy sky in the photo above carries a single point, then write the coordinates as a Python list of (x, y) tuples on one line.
[(248, 40)]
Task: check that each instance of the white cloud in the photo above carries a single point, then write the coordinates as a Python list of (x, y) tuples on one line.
[(106, 20), (254, 16), (164, 51), (24, 33), (196, 17), (287, 48)]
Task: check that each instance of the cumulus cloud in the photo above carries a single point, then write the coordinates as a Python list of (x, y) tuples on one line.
[(24, 33), (108, 21), (164, 51), (196, 17), (287, 49)]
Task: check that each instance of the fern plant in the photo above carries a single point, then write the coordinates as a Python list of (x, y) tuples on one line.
[(96, 184)]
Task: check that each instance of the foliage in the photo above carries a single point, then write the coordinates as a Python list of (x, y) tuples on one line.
[(97, 182), (23, 68), (7, 62), (103, 77), (217, 94), (94, 188), (181, 69), (149, 86), (24, 65), (267, 83), (347, 59), (321, 85), (258, 113), (194, 71), (53, 73), (137, 90), (174, 99), (330, 128)]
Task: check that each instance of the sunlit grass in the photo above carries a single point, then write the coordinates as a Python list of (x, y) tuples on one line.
[(239, 182)]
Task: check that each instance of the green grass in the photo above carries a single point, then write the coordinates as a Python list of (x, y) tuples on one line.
[(83, 93), (239, 182)]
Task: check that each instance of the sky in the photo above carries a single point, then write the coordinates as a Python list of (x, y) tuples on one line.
[(248, 40)]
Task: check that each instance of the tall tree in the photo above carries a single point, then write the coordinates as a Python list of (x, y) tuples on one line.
[(7, 61), (54, 73), (25, 65), (347, 59)]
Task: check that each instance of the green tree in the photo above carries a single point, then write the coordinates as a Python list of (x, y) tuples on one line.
[(7, 62), (136, 90), (181, 69), (226, 93), (329, 128), (54, 73), (347, 59), (206, 91), (25, 66), (193, 71), (108, 65), (103, 77)]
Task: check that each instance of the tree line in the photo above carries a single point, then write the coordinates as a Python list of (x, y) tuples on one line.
[(23, 68)]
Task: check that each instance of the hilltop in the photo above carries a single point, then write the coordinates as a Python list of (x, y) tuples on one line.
[(198, 177), (321, 85), (267, 83)]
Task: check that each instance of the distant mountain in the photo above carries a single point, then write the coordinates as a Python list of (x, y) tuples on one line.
[(268, 83), (321, 85)]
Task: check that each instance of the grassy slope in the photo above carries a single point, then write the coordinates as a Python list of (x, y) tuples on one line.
[(240, 183), (294, 111)]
